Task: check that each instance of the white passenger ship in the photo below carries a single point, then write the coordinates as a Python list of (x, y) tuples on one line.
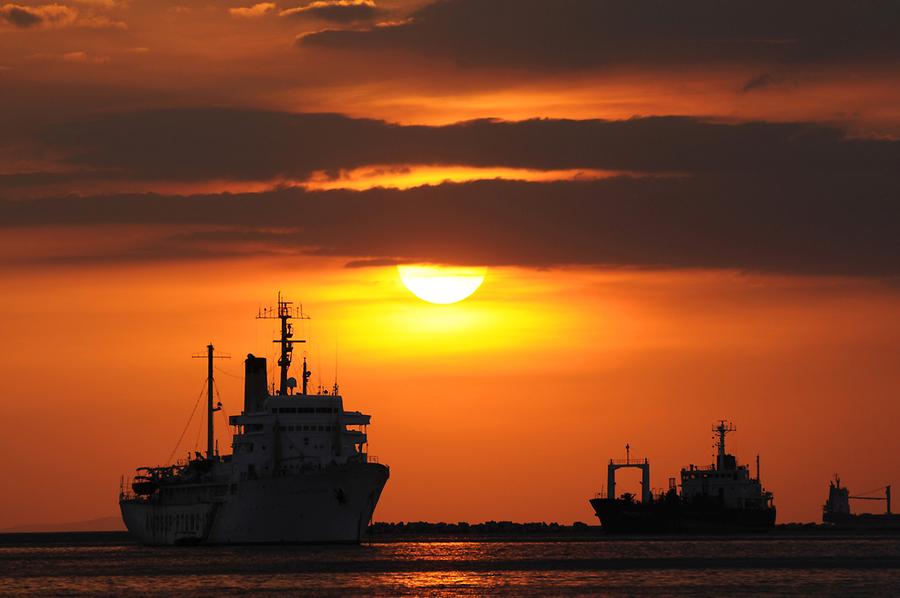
[(299, 471)]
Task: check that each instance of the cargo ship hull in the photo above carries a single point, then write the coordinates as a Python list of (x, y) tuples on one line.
[(867, 521), (622, 517)]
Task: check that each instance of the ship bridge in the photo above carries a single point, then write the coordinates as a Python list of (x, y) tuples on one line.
[(294, 431), (725, 481), (290, 428)]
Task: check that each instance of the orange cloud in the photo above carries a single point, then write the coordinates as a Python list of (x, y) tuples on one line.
[(341, 11), (47, 15), (54, 16), (257, 10), (77, 56)]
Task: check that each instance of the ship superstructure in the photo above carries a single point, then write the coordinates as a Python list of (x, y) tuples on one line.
[(299, 471), (722, 496)]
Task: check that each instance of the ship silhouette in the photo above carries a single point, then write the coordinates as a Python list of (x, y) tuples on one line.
[(836, 511), (299, 471), (722, 497)]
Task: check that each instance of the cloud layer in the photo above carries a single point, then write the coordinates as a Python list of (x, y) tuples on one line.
[(839, 225), (200, 144), (774, 194), (577, 34), (48, 15), (337, 11)]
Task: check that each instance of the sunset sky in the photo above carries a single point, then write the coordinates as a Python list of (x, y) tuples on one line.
[(687, 211)]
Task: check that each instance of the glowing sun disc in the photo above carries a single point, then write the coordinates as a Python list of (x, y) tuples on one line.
[(441, 284)]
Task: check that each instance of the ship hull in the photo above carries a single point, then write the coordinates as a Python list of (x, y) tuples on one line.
[(662, 517), (868, 521), (331, 505)]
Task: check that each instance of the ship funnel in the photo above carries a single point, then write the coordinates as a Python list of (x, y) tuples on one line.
[(255, 377)]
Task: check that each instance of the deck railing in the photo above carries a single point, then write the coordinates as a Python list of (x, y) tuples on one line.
[(629, 461)]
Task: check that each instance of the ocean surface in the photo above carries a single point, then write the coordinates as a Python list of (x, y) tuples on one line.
[(777, 564)]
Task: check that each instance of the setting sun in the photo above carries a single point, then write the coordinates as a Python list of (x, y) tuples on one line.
[(450, 297), (441, 284)]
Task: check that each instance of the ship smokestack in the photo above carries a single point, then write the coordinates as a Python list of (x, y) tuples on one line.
[(255, 376)]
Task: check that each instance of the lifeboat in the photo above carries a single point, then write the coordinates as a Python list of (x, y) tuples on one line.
[(144, 485)]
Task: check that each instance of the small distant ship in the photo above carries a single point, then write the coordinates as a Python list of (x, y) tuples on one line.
[(721, 497), (836, 511), (299, 471)]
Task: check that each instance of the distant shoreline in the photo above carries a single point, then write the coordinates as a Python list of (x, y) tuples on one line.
[(491, 531)]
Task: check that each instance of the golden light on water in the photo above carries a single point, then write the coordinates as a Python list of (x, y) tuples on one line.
[(441, 284)]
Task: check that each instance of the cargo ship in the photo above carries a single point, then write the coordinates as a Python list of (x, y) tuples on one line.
[(836, 511), (299, 472), (721, 497)]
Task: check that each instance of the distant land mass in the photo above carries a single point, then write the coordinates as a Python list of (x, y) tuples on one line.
[(102, 524), (114, 524), (488, 528), (510, 530), (396, 530)]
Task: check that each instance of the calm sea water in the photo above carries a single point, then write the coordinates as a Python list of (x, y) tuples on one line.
[(770, 565)]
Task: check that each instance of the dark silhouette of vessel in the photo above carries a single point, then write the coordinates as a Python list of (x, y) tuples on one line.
[(836, 511), (299, 472), (721, 497)]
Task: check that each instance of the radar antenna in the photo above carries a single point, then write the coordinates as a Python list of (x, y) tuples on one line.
[(284, 312)]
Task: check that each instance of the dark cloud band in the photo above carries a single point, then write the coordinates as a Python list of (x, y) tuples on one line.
[(20, 16), (580, 34), (230, 144), (813, 224)]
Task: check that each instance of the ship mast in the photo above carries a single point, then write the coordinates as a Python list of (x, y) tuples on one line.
[(285, 312), (210, 410), (722, 429)]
